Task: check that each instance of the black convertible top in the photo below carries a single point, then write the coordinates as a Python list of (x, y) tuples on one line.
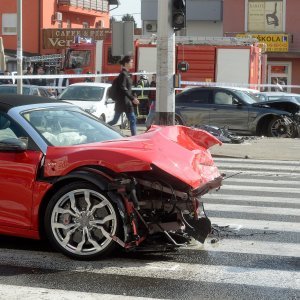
[(9, 101)]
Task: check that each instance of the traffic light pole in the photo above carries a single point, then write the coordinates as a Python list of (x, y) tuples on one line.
[(165, 102), (19, 47)]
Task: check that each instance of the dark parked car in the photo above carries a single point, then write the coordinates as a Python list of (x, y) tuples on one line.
[(27, 90), (237, 110)]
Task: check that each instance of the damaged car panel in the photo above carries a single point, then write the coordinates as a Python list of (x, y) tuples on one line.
[(237, 110), (89, 189)]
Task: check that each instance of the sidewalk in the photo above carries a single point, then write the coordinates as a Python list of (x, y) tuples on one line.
[(257, 148), (261, 148)]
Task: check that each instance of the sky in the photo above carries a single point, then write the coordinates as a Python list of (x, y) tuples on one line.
[(132, 7)]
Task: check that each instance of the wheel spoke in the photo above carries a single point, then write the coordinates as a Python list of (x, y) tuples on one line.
[(73, 203), (80, 245), (91, 240), (66, 240), (104, 232), (103, 221), (65, 227), (100, 205), (60, 210), (87, 199)]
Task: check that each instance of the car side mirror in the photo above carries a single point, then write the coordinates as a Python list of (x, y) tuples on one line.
[(13, 145), (109, 101)]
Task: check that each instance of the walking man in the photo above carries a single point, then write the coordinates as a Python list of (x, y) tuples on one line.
[(125, 101)]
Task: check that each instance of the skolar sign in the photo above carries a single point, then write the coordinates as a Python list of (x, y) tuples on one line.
[(274, 42)]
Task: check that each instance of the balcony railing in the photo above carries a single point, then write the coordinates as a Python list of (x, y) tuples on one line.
[(97, 5)]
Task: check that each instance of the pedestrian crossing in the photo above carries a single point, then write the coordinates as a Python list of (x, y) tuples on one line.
[(255, 254)]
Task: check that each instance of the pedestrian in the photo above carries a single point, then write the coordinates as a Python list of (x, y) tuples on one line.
[(6, 81), (152, 98), (143, 109), (88, 79), (276, 86), (39, 81), (29, 71), (61, 82), (125, 101)]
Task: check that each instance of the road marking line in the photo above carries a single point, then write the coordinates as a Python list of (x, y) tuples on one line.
[(15, 292), (253, 209), (251, 247), (257, 161), (140, 268), (219, 196), (289, 190), (258, 224), (262, 181)]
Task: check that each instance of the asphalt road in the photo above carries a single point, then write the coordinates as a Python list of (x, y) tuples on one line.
[(254, 252)]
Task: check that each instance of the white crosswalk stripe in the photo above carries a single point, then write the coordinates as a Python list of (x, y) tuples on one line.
[(163, 270), (29, 293), (263, 199), (248, 198)]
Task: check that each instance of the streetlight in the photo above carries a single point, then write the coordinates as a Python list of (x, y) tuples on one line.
[(19, 47)]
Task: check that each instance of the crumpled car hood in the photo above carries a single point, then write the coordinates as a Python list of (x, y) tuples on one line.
[(178, 150), (285, 105)]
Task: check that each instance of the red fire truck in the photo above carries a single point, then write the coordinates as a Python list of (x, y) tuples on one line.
[(229, 60)]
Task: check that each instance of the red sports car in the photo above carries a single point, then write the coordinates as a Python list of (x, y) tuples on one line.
[(69, 178)]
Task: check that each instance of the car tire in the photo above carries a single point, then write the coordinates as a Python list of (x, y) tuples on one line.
[(124, 122), (278, 128), (80, 220)]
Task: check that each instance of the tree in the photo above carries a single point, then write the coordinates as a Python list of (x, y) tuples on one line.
[(111, 20), (129, 17)]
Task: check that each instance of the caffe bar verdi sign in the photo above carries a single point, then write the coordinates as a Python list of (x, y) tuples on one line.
[(62, 38)]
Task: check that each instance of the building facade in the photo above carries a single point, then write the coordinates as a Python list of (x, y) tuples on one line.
[(274, 23), (49, 25)]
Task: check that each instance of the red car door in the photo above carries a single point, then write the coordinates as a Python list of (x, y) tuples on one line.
[(17, 179)]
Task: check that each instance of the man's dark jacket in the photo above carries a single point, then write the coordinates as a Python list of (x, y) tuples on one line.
[(124, 95)]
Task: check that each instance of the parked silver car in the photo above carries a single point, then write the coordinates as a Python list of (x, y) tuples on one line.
[(27, 90)]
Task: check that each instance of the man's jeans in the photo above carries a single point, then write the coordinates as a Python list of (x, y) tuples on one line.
[(131, 118)]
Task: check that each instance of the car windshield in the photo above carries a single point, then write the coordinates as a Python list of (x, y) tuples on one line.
[(82, 93), (246, 96), (68, 126), (13, 90)]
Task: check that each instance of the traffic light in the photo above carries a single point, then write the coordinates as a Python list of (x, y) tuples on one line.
[(178, 14)]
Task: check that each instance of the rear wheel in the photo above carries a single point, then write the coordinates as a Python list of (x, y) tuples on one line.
[(282, 128), (80, 221)]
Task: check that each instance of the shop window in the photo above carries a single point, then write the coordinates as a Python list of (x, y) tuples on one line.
[(9, 24), (266, 15)]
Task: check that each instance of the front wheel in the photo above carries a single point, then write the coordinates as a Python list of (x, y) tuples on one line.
[(80, 221), (282, 128)]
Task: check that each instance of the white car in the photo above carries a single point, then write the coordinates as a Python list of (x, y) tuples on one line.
[(93, 98)]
